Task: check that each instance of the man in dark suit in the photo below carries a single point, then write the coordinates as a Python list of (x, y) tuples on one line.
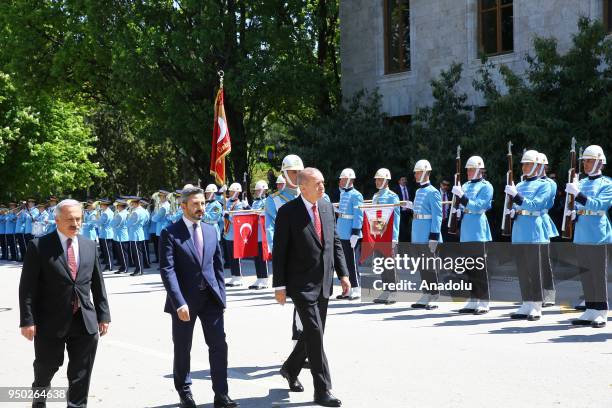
[(60, 271), (401, 189), (305, 253), (191, 267)]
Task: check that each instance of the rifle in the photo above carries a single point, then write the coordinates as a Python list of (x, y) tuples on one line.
[(579, 163), (567, 228), (453, 220), (506, 219)]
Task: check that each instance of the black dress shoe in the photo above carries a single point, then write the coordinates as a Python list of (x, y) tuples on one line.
[(187, 401), (294, 384), (518, 316), (136, 273), (547, 304), (581, 322), (224, 401), (598, 325), (418, 306), (327, 400), (466, 310), (342, 296)]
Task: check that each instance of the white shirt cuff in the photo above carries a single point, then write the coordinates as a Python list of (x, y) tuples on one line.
[(279, 288)]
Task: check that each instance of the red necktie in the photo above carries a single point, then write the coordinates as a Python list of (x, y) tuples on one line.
[(73, 270), (317, 222)]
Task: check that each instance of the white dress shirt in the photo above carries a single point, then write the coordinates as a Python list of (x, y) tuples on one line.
[(189, 224), (75, 247)]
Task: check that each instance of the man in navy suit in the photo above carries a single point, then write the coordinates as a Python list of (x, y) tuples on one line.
[(191, 267)]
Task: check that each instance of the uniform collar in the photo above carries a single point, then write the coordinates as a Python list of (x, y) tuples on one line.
[(531, 178), (476, 181), (423, 185), (595, 177), (346, 190)]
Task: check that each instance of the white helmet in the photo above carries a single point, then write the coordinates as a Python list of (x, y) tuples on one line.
[(542, 159), (383, 174), (280, 180), (261, 185), (292, 162), (531, 156), (348, 173), (475, 162), (186, 186), (223, 189), (422, 165), (235, 188), (211, 188), (594, 152)]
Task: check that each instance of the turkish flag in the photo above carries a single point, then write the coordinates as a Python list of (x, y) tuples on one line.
[(245, 235), (264, 238), (221, 143), (377, 232)]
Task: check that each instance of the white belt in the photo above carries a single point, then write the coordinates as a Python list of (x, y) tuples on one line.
[(345, 216), (466, 211), (529, 213), (589, 212), (422, 216)]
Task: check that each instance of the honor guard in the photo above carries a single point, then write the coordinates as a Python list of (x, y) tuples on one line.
[(121, 239), (144, 204), (11, 221), (152, 233), (385, 195), (213, 213), (105, 233), (261, 266), (160, 218), (426, 227), (233, 204), (548, 283), (31, 214), (348, 225), (280, 183), (593, 234), (52, 204), (221, 198), (20, 229), (39, 226), (475, 197), (178, 214), (88, 228), (135, 224), (530, 198), (3, 246)]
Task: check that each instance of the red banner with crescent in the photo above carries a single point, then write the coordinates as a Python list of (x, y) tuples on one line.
[(245, 235), (264, 238), (377, 232), (221, 143)]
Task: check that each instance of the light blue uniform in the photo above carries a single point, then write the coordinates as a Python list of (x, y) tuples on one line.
[(213, 213), (350, 216), (20, 223), (386, 196), (220, 198), (51, 226), (29, 219), (105, 230), (533, 195), (172, 218), (119, 225), (135, 224), (273, 203), (160, 217), (427, 202), (11, 223), (259, 204), (551, 229), (477, 201), (232, 205), (88, 229), (40, 226), (595, 195), (3, 224)]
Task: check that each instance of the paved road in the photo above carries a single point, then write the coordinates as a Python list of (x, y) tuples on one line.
[(379, 356)]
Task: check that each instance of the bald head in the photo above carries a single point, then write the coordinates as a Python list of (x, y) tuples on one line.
[(311, 184)]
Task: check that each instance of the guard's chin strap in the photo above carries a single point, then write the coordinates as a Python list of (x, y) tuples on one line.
[(533, 169), (476, 174), (261, 193), (542, 169), (289, 181), (385, 184), (346, 183), (595, 171), (423, 174), (234, 195)]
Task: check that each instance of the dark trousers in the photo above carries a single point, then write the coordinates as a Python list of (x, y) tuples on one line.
[(137, 255), (22, 246), (146, 257), (49, 356), (210, 313), (310, 344), (122, 251), (261, 266), (478, 277), (3, 247), (548, 281), (405, 229), (528, 264), (28, 238), (155, 241), (234, 263), (593, 262), (428, 272), (351, 255), (12, 246), (226, 255), (106, 249)]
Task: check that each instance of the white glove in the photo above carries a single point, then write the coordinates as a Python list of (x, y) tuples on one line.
[(458, 211), (433, 244), (511, 190), (572, 188), (511, 212), (353, 239), (245, 202), (409, 205), (458, 191), (571, 213)]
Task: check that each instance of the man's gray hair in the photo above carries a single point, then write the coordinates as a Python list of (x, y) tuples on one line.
[(306, 174), (188, 191), (69, 202)]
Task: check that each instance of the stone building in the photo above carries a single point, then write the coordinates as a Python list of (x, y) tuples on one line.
[(398, 46)]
